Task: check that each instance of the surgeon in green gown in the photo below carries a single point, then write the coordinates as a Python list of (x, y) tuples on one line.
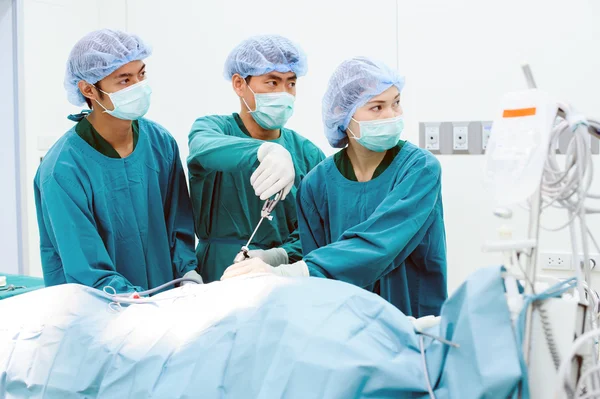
[(112, 203), (238, 161), (372, 215)]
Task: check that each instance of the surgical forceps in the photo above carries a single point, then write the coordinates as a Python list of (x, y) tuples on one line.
[(265, 213)]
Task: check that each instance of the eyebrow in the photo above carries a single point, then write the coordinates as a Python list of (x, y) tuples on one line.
[(279, 79), (274, 77), (381, 101), (128, 74)]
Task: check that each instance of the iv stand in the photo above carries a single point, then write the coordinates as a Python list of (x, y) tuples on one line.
[(533, 233)]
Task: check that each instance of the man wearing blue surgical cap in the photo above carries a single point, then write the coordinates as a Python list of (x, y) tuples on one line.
[(237, 161), (372, 214), (112, 202)]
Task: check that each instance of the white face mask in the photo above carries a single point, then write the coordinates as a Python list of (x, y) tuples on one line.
[(131, 103), (379, 135), (272, 109)]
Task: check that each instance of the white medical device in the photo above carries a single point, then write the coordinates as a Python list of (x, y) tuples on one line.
[(522, 169)]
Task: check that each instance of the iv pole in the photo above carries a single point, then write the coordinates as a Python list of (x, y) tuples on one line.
[(533, 233)]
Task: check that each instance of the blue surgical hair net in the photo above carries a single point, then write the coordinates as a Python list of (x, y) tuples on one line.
[(354, 83), (262, 54), (97, 55)]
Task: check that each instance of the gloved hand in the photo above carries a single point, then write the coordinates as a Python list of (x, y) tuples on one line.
[(273, 257), (275, 173), (258, 266), (193, 275), (425, 322)]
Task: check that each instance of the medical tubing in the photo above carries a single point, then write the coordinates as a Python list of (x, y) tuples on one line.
[(563, 384), (567, 186), (425, 371), (424, 359), (442, 340), (150, 291), (592, 376)]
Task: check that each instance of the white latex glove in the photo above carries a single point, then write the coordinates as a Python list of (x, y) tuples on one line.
[(425, 322), (258, 266), (193, 275), (273, 257), (275, 173)]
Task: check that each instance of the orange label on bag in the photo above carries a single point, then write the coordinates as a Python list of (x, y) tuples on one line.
[(515, 113)]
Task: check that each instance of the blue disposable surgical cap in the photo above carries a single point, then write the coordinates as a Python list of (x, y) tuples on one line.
[(259, 55), (354, 83), (97, 55)]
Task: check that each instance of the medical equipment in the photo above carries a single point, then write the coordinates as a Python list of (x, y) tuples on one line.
[(521, 165), (265, 213), (25, 284), (2, 281), (136, 298), (12, 287)]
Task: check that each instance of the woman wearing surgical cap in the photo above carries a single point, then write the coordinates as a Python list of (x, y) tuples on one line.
[(112, 202), (372, 214)]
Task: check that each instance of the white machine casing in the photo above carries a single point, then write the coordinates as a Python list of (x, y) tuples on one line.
[(565, 320)]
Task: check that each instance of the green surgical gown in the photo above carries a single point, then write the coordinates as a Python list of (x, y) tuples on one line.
[(226, 210), (106, 221), (386, 234)]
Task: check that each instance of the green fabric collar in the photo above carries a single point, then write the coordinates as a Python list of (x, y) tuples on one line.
[(86, 131), (342, 162)]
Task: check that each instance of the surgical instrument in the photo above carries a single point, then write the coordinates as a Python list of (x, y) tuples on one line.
[(265, 213), (12, 287)]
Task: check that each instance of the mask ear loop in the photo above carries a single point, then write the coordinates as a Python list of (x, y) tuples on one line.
[(106, 110), (244, 100), (350, 130)]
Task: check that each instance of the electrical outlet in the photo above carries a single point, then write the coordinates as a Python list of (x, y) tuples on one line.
[(486, 129), (461, 138), (555, 261), (432, 138), (594, 261)]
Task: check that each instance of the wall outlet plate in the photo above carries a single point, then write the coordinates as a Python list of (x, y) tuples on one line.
[(432, 138), (461, 138), (486, 130), (555, 261)]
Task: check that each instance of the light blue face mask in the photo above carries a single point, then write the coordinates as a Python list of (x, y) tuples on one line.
[(130, 103), (379, 135), (272, 109)]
